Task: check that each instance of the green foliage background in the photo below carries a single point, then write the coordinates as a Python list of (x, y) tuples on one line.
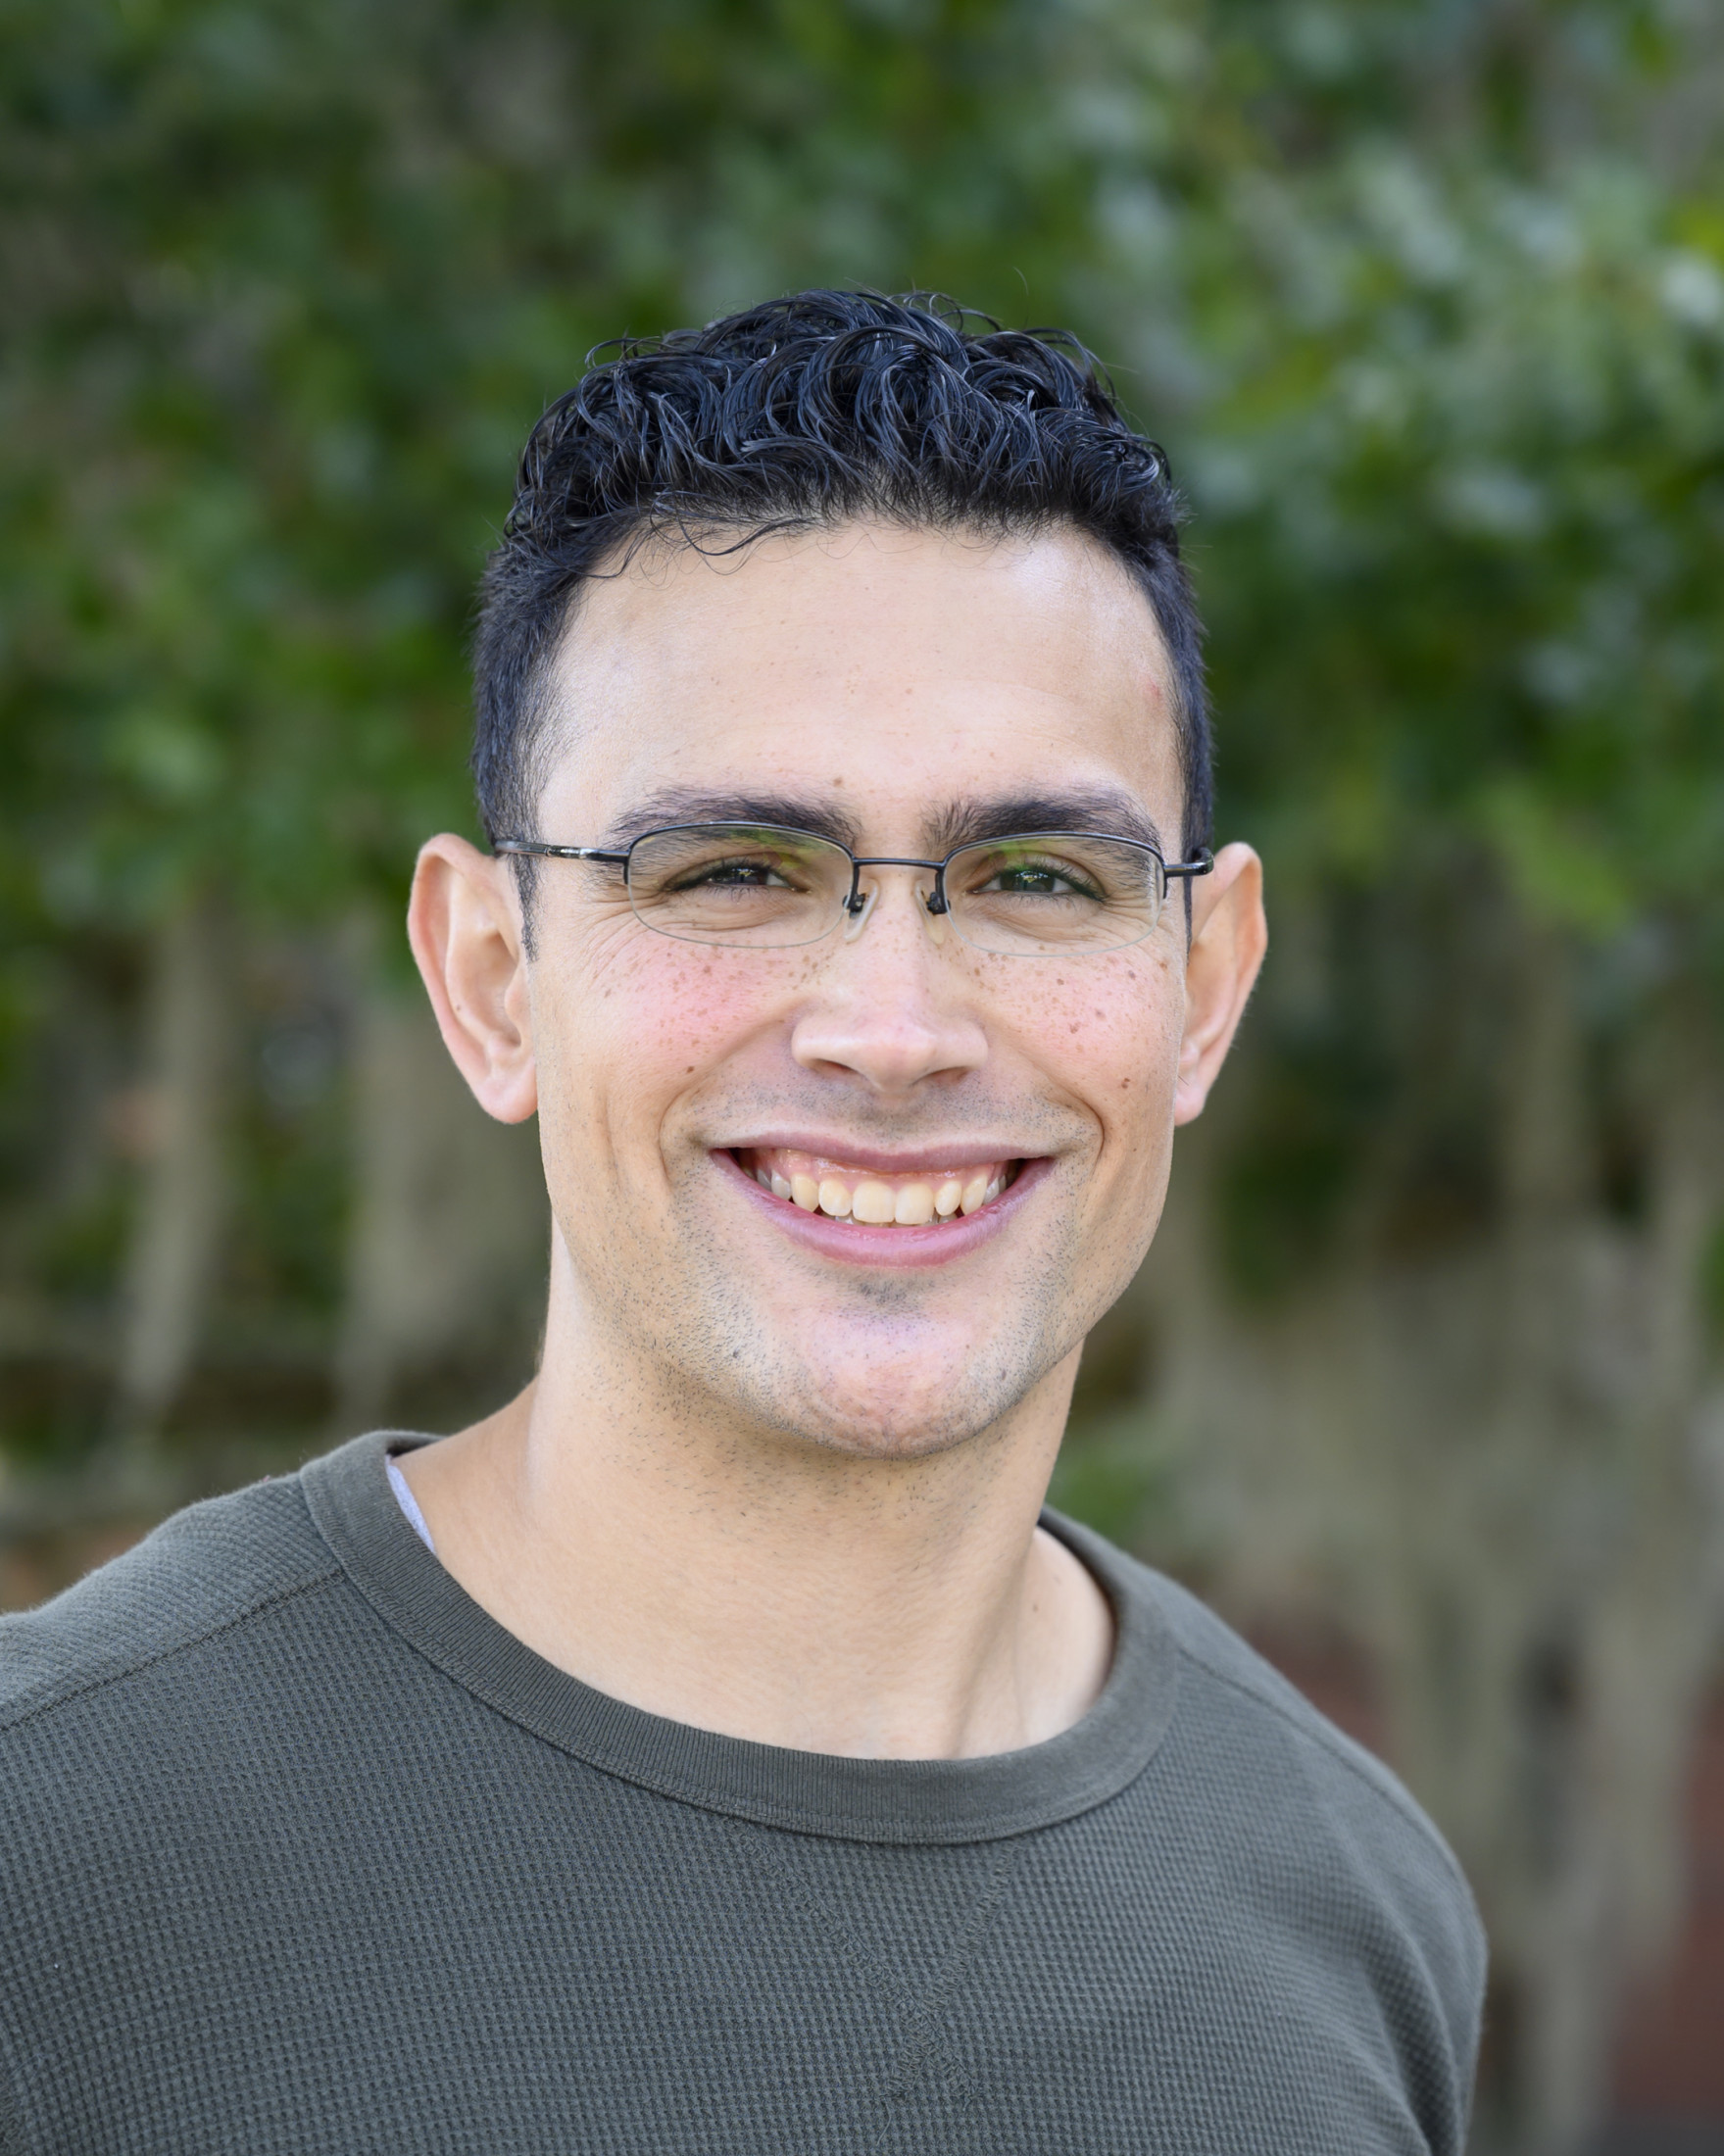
[(1426, 300)]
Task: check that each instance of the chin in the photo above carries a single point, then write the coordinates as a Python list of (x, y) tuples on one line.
[(865, 1436), (891, 1369), (905, 1409)]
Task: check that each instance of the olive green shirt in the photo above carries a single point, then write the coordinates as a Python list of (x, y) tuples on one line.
[(300, 1850)]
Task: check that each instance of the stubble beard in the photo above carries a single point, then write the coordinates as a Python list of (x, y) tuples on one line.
[(879, 1390)]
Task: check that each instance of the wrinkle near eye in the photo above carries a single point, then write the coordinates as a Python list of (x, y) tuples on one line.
[(614, 939)]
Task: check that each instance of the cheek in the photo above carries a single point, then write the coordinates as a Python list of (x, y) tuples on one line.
[(641, 1023), (1111, 1037)]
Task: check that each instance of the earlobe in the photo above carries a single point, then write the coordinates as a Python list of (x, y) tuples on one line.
[(1229, 936), (464, 923)]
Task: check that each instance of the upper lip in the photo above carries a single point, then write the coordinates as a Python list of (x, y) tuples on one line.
[(899, 1160)]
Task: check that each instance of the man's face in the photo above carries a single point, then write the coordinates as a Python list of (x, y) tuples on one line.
[(911, 685)]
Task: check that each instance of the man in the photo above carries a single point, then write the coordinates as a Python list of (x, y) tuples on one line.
[(718, 1750)]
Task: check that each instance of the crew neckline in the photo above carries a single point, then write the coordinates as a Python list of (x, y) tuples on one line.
[(906, 1801)]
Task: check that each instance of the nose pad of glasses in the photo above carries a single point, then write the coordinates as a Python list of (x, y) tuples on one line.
[(859, 910)]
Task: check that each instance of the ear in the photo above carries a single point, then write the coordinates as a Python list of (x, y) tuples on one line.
[(1229, 936), (464, 923)]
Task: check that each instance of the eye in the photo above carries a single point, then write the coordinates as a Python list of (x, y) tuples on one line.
[(742, 872), (1038, 879), (747, 875)]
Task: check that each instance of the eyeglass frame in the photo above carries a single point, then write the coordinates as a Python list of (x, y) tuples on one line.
[(1200, 864)]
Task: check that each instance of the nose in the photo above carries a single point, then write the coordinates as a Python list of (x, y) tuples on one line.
[(886, 1005)]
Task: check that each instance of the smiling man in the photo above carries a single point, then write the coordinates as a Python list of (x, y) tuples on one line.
[(720, 1750)]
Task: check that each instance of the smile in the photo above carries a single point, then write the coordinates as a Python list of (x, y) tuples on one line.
[(872, 1198)]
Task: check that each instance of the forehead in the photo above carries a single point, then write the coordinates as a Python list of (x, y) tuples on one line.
[(890, 669)]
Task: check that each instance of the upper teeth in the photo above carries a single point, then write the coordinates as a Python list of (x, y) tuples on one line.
[(874, 1199)]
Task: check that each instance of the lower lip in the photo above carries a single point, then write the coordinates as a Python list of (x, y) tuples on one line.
[(904, 1248)]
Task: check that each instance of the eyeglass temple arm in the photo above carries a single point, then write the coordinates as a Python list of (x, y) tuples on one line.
[(1200, 864), (556, 853)]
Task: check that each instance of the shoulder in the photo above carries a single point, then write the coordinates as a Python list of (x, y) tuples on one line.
[(1229, 1679), (1332, 1836), (1227, 1684), (211, 1570)]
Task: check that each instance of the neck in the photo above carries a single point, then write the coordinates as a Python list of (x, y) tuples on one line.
[(751, 1583)]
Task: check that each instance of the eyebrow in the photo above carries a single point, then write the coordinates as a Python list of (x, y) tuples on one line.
[(693, 804), (1109, 809), (967, 820)]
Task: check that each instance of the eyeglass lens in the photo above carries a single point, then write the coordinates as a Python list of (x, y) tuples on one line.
[(759, 887)]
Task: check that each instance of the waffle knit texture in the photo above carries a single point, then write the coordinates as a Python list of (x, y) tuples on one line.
[(301, 1852)]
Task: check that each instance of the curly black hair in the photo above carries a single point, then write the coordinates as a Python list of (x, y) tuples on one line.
[(807, 412)]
